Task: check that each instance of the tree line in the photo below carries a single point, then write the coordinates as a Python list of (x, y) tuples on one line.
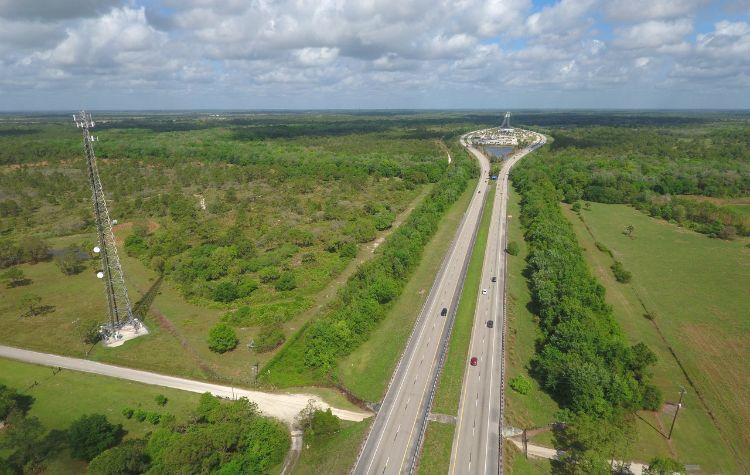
[(582, 358), (653, 170)]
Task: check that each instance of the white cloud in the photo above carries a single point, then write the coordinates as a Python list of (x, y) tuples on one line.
[(640, 10), (653, 34), (441, 50), (316, 56), (557, 18)]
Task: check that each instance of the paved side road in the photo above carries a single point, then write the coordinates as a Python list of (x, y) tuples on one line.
[(280, 406), (538, 451)]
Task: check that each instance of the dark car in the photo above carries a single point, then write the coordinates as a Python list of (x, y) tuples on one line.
[(494, 279), (490, 324), (444, 312), (473, 361)]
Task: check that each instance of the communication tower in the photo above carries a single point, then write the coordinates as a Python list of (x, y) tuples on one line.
[(123, 324), (505, 126)]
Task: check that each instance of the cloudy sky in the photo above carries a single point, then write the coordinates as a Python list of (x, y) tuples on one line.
[(244, 54)]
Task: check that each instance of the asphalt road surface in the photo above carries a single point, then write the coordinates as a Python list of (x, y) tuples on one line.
[(282, 406), (476, 442), (393, 440)]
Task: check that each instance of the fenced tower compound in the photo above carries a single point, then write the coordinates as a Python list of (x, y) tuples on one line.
[(122, 324), (505, 126)]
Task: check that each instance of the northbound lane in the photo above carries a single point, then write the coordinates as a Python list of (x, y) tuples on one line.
[(476, 444)]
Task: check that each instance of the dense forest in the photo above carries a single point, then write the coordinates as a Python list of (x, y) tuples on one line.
[(668, 172)]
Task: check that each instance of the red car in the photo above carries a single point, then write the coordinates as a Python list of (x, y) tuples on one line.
[(473, 361)]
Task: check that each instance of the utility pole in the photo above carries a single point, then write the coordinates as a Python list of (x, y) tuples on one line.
[(677, 411)]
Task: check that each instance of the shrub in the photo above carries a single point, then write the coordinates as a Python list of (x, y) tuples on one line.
[(513, 248), (348, 250), (15, 277), (664, 466), (90, 331), (140, 415), (92, 434), (576, 206), (153, 417), (324, 423), (652, 398), (70, 261), (520, 384), (269, 338), (222, 338), (728, 232), (621, 275), (128, 412), (226, 292), (247, 287), (161, 399), (269, 274), (602, 247), (287, 281), (128, 458), (135, 245)]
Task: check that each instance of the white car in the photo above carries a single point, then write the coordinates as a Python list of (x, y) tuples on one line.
[(484, 291)]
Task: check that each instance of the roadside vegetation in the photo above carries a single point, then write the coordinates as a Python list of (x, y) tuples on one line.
[(583, 359), (436, 448), (333, 454)]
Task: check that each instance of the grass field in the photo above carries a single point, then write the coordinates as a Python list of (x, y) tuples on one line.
[(436, 449), (63, 397), (335, 455), (535, 408), (367, 370), (697, 289), (516, 463), (448, 391)]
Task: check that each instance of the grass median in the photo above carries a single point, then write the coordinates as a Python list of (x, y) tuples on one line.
[(436, 451), (536, 408), (449, 388)]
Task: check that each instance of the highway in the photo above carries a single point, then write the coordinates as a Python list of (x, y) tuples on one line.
[(393, 441), (476, 442)]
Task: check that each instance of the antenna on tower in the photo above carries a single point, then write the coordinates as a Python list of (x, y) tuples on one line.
[(123, 324), (505, 126)]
